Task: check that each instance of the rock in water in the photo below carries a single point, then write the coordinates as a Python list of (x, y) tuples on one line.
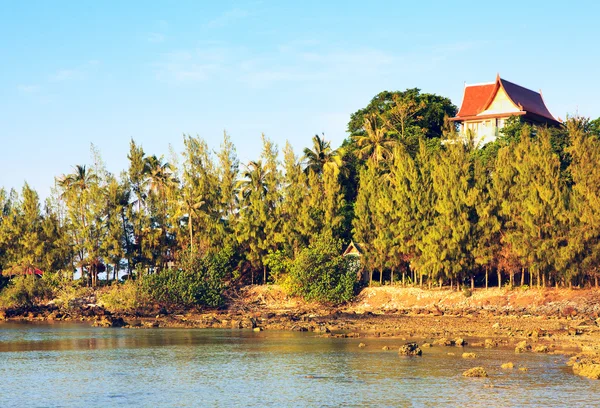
[(541, 349), (460, 342), (475, 372), (444, 342), (410, 349), (469, 355), (587, 367), (489, 343), (522, 347), (507, 366), (361, 345)]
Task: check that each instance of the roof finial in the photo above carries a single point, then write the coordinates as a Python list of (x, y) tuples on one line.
[(497, 76)]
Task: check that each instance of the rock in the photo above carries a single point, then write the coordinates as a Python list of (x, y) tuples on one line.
[(507, 366), (469, 355), (426, 345), (524, 369), (444, 342), (257, 329), (410, 349), (588, 367), (249, 323), (573, 331), (460, 342), (522, 347), (496, 326), (362, 345), (489, 343), (450, 354), (475, 372), (541, 349), (385, 348), (107, 321)]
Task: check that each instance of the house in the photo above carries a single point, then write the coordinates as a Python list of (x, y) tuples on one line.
[(355, 251), (486, 107)]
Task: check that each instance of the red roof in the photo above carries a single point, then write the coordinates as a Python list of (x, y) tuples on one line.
[(477, 98), (34, 271)]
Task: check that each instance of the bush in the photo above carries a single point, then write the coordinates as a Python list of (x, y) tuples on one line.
[(320, 273), (24, 290), (69, 294), (123, 297), (198, 281)]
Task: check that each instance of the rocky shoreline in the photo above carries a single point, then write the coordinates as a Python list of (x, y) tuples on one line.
[(571, 327)]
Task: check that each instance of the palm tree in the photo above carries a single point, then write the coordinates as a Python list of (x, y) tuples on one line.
[(375, 143), (191, 207), (253, 180), (75, 185), (159, 175), (321, 155), (78, 181)]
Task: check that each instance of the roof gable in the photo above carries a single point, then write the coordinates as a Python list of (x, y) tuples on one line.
[(478, 99)]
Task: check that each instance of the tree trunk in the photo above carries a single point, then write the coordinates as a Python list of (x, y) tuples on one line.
[(472, 282), (543, 280), (487, 273), (596, 282), (264, 274), (421, 280), (370, 277), (392, 277), (537, 278), (381, 277), (512, 278), (403, 278), (451, 285), (522, 276), (499, 279)]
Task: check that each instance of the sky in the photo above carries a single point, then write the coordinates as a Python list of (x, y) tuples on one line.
[(77, 73)]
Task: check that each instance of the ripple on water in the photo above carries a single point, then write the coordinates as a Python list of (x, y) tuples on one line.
[(76, 365)]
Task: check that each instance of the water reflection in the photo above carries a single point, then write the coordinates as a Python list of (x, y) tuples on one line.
[(77, 365)]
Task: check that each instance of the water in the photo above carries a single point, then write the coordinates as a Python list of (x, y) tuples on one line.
[(74, 365)]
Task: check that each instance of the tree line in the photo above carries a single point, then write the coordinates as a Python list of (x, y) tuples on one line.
[(523, 209)]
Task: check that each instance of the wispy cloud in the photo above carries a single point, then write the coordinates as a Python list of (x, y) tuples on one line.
[(188, 66), (227, 18), (156, 38), (66, 75), (74, 73), (28, 89)]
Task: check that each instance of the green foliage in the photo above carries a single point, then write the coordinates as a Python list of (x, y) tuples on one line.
[(24, 290), (320, 273), (197, 282), (124, 297), (278, 264)]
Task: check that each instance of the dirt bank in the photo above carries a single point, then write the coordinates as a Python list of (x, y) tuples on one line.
[(559, 319)]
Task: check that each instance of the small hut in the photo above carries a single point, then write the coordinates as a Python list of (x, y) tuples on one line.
[(356, 251)]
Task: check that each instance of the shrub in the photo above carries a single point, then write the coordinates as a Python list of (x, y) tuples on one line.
[(278, 263), (320, 273), (123, 297), (24, 290), (198, 281), (70, 294)]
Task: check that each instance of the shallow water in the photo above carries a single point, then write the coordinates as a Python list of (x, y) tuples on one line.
[(74, 365)]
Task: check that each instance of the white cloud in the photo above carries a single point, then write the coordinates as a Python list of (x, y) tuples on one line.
[(227, 18)]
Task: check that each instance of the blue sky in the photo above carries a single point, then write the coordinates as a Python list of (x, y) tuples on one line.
[(76, 73)]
